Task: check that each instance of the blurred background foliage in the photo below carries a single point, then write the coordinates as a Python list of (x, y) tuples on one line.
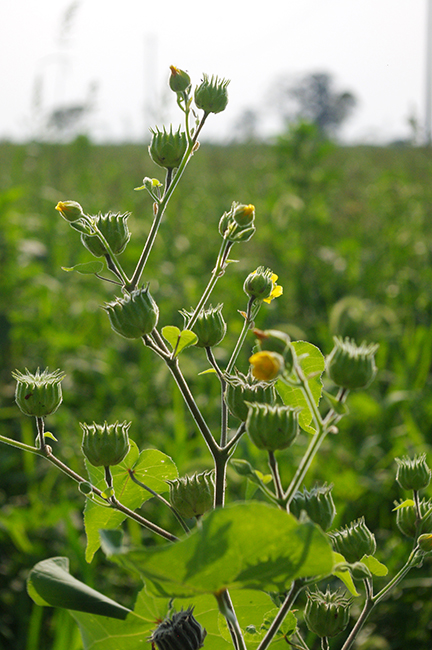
[(347, 230)]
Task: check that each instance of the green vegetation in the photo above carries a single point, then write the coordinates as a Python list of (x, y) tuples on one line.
[(348, 232)]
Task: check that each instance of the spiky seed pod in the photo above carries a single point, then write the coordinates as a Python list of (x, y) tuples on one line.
[(38, 394), (350, 366), (115, 230), (406, 519), (318, 504), (134, 315), (413, 474), (180, 632), (210, 326), (211, 95), (105, 444), (327, 614), (192, 496), (272, 427), (244, 388), (166, 148), (354, 541)]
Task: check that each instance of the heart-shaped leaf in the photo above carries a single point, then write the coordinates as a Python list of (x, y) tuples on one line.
[(178, 340)]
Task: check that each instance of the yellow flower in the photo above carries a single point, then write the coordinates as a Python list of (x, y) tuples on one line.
[(266, 365), (276, 291)]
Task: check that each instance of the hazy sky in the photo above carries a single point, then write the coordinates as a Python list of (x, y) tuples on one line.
[(373, 48)]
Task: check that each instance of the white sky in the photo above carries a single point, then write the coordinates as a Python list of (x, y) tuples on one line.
[(373, 48)]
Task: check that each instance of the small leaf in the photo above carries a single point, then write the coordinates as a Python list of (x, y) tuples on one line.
[(338, 407), (178, 340), (82, 226), (187, 338), (374, 566), (51, 436), (106, 494), (207, 372), (171, 334), (405, 504), (50, 583), (344, 575), (87, 268)]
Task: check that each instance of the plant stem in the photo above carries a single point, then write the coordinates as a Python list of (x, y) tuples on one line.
[(276, 476), (217, 273), (372, 601), (161, 499), (46, 453), (236, 437), (161, 207), (296, 588), (316, 441), (224, 410), (227, 610), (174, 368), (251, 313), (304, 465)]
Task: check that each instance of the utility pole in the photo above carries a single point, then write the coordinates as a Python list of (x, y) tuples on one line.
[(428, 85)]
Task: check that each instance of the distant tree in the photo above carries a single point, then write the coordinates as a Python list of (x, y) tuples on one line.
[(315, 100)]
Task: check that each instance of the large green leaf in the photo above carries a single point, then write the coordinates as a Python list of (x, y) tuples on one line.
[(254, 611), (101, 633), (313, 363), (151, 467), (243, 546), (50, 583)]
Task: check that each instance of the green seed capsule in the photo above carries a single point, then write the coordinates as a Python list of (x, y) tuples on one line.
[(354, 541), (241, 389), (210, 326), (211, 95), (413, 474), (350, 366), (134, 315), (326, 614), (318, 504), (192, 496), (38, 394), (105, 444), (167, 148), (272, 427), (115, 230)]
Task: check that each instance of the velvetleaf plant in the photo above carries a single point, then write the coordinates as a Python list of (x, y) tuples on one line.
[(228, 573)]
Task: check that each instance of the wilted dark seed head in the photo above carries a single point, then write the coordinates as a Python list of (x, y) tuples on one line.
[(180, 632)]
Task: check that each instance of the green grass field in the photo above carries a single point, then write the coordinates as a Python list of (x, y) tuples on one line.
[(347, 230)]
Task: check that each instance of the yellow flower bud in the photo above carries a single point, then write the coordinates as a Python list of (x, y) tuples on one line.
[(266, 365)]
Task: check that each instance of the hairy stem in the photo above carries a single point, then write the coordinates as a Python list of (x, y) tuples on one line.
[(161, 207), (296, 588), (251, 313)]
